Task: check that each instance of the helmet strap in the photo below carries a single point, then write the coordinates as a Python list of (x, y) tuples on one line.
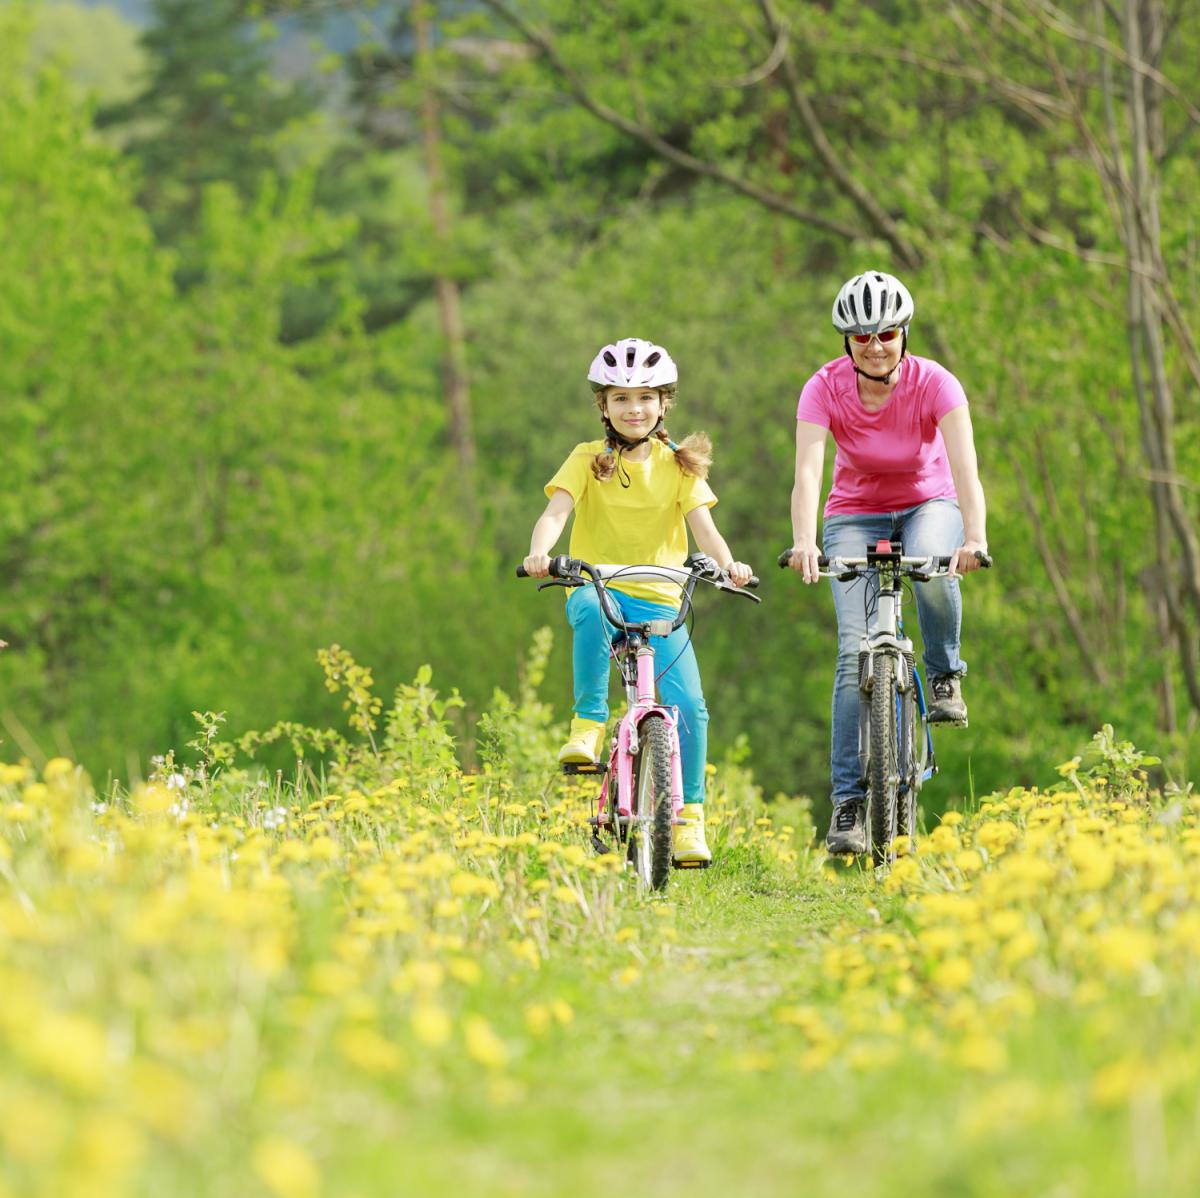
[(623, 443)]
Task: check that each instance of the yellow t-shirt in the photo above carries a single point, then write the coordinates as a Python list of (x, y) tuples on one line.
[(642, 524)]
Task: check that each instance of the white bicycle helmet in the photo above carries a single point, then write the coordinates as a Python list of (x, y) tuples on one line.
[(872, 303), (632, 362)]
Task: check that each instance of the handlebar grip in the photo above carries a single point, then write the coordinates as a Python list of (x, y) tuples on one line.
[(521, 572), (753, 583), (785, 560), (984, 559)]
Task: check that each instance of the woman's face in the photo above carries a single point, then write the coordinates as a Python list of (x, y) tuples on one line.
[(633, 411), (878, 357)]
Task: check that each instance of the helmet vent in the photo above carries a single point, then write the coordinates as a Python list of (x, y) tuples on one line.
[(853, 307), (609, 358), (630, 355), (867, 304)]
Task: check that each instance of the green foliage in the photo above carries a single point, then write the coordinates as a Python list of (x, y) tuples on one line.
[(204, 484)]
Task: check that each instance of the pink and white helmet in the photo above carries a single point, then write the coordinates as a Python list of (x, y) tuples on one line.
[(632, 362)]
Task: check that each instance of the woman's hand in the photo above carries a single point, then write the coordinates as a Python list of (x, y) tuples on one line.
[(739, 573), (804, 562), (964, 560), (537, 565)]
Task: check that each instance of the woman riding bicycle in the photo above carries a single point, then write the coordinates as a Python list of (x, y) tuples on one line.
[(635, 495), (905, 470)]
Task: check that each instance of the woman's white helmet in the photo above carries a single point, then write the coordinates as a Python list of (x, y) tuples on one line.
[(632, 362), (872, 303)]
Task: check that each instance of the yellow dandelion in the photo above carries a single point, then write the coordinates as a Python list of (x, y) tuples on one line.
[(431, 1024), (483, 1045), (369, 1051), (285, 1168)]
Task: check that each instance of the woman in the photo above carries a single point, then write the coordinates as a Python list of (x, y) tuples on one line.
[(905, 470)]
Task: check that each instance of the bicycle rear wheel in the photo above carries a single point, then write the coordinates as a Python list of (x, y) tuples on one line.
[(650, 833), (883, 774)]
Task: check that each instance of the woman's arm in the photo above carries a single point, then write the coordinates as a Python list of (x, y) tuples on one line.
[(960, 449), (806, 494), (710, 541), (546, 532)]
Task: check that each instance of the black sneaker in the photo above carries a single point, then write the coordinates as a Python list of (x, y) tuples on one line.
[(848, 828), (947, 706)]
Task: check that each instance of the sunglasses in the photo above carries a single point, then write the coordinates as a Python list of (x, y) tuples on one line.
[(884, 337)]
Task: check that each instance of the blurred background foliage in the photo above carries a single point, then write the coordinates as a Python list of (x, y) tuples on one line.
[(299, 299)]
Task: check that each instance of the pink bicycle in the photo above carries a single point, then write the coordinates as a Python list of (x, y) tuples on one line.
[(641, 792)]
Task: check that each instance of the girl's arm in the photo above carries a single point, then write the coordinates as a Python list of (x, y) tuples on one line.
[(546, 532), (806, 494), (710, 541), (960, 449)]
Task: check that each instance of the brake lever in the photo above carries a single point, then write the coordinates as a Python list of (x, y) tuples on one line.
[(561, 582)]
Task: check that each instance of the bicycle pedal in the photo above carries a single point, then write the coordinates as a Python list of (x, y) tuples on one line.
[(599, 845), (581, 767), (935, 724), (690, 864)]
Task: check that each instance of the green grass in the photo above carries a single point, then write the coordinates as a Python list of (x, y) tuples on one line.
[(682, 1084)]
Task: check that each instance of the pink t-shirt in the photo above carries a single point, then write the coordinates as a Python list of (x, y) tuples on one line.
[(891, 459)]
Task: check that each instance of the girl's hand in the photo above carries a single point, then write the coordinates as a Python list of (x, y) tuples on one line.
[(804, 562), (739, 573), (537, 565), (964, 557)]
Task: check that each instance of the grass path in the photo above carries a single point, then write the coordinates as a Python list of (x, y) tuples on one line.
[(686, 1084)]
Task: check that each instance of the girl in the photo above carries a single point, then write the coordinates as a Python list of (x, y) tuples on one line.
[(905, 468), (631, 494)]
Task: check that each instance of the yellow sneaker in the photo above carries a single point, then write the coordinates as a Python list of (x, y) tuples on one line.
[(691, 851), (583, 743)]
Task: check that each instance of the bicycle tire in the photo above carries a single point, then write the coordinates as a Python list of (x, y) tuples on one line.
[(912, 764), (883, 775), (652, 807)]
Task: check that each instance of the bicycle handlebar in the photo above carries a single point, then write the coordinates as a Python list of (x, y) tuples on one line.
[(926, 567), (570, 569)]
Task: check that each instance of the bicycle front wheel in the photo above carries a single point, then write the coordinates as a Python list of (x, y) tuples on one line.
[(883, 773), (912, 763), (650, 834)]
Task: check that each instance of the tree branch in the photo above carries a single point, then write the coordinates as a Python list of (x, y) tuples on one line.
[(835, 164), (654, 141)]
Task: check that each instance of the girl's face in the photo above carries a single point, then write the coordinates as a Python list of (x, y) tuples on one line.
[(633, 411), (877, 357)]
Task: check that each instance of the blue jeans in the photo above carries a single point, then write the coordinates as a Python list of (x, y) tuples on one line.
[(933, 527), (678, 687)]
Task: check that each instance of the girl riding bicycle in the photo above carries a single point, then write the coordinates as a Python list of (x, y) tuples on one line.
[(905, 470), (634, 494)]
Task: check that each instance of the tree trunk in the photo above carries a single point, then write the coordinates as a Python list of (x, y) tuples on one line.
[(454, 351)]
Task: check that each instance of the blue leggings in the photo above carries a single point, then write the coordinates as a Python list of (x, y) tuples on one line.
[(678, 687)]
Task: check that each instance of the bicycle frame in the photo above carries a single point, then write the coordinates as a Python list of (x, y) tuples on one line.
[(642, 699), (885, 634)]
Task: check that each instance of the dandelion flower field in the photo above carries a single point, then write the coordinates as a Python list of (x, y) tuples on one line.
[(394, 977)]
